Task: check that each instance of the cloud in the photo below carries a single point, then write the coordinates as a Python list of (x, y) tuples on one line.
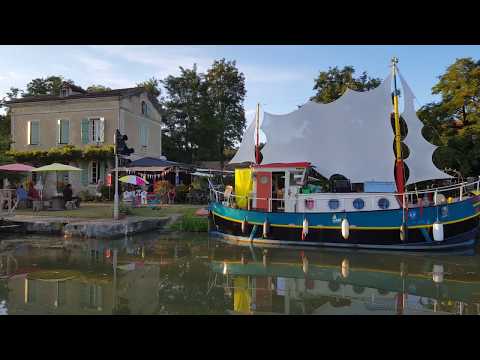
[(94, 63)]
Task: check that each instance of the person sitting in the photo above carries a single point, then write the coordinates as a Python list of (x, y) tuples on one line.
[(22, 197), (34, 197), (68, 196)]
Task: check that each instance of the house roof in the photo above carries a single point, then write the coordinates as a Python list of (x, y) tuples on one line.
[(90, 95), (86, 95)]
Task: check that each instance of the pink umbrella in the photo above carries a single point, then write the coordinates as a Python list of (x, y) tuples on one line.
[(17, 168)]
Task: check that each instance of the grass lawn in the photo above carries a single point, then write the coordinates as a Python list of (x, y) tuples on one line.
[(105, 211)]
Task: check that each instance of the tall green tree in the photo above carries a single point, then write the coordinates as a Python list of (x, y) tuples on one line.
[(225, 91), (183, 105), (453, 122), (459, 88), (331, 84)]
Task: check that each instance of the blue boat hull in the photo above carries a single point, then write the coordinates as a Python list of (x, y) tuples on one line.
[(368, 229)]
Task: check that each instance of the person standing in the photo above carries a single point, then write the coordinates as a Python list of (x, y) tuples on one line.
[(22, 197)]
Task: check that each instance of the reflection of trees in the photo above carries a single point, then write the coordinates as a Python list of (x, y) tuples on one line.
[(183, 289)]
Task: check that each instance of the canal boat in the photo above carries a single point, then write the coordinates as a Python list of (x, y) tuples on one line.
[(382, 189)]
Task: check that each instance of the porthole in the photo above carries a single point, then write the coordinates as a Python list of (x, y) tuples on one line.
[(358, 204), (263, 180), (333, 204), (383, 203)]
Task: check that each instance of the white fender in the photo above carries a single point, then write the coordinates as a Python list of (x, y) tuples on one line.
[(345, 229), (437, 231), (437, 274), (244, 225), (402, 232), (266, 227), (304, 229)]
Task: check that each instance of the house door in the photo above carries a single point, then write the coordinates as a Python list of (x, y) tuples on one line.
[(264, 190)]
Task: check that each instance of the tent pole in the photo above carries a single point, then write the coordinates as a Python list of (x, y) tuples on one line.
[(257, 142)]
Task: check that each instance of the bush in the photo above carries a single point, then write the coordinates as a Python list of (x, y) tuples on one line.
[(181, 193), (85, 195), (107, 192)]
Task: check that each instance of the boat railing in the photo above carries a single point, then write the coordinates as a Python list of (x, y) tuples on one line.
[(445, 194)]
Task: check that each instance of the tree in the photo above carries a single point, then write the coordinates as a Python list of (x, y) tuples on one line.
[(331, 84), (460, 90), (225, 91), (183, 108), (453, 123), (51, 85), (98, 88), (152, 86)]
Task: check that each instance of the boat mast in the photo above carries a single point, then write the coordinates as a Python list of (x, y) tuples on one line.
[(399, 166), (257, 143)]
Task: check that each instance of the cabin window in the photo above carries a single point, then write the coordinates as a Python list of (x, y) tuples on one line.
[(296, 178), (358, 204), (333, 204), (383, 203)]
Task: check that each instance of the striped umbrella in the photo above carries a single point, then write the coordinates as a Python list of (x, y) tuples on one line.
[(133, 179)]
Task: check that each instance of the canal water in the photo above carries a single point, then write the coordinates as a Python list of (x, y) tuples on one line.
[(192, 274)]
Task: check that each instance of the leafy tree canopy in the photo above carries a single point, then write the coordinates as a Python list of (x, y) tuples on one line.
[(98, 88), (331, 84)]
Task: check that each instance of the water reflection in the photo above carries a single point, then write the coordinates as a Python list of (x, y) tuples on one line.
[(195, 275)]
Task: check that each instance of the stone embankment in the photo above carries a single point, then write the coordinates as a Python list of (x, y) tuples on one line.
[(104, 228)]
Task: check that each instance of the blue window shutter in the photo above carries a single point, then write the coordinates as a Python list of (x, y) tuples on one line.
[(101, 175), (65, 131), (84, 173), (35, 132), (85, 131)]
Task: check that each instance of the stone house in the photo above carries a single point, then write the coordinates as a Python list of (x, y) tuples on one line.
[(81, 119)]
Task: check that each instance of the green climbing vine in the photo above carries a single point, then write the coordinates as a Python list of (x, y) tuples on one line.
[(63, 154)]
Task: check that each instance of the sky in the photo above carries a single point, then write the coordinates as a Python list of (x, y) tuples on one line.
[(278, 77)]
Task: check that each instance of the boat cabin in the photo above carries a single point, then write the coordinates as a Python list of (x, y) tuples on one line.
[(285, 187)]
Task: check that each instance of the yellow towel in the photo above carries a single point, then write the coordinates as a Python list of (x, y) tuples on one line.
[(243, 186)]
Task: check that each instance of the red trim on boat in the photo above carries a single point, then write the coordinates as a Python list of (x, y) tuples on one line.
[(284, 165)]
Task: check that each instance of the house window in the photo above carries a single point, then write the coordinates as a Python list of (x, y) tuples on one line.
[(93, 130), (94, 172), (144, 108), (63, 131), (33, 132), (64, 92)]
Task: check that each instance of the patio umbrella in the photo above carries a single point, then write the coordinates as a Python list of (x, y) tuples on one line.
[(133, 179), (17, 168), (56, 167)]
